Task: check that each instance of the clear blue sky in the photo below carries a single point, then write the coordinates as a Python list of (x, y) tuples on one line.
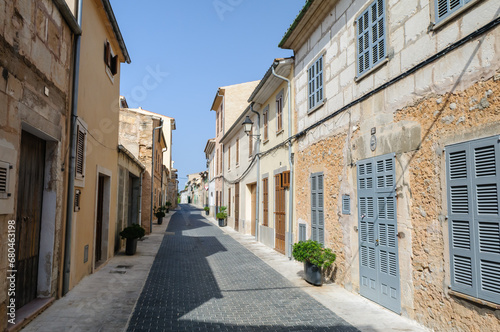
[(182, 51)]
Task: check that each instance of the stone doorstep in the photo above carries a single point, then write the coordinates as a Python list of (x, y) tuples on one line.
[(30, 311)]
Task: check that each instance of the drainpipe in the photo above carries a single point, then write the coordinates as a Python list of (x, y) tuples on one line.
[(153, 176), (222, 127), (72, 158), (258, 174), (290, 160)]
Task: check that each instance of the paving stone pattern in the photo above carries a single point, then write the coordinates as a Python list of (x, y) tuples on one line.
[(203, 280)]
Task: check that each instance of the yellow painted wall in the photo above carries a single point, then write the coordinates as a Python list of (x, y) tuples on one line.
[(98, 107)]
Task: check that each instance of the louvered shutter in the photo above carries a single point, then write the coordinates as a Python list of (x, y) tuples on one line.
[(315, 83), (317, 208), (473, 183), (371, 36), (314, 213), (80, 152), (4, 179), (346, 204), (302, 232), (444, 8)]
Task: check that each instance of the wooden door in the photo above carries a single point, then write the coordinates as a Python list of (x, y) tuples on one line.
[(99, 221), (253, 192), (279, 214), (237, 206), (29, 208)]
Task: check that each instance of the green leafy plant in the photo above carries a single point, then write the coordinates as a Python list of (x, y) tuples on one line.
[(222, 214), (160, 211), (314, 253), (168, 204), (135, 231), (206, 208)]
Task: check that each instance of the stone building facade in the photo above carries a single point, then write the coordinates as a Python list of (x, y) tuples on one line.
[(136, 135), (397, 135), (36, 40)]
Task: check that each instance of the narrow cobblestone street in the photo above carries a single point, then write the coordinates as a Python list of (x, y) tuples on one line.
[(203, 280)]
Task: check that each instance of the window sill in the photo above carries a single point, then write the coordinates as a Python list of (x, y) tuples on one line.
[(265, 141), (474, 299), (358, 79), (317, 107), (280, 132)]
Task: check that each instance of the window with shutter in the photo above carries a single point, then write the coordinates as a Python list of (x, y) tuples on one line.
[(279, 113), (4, 179), (302, 232), (346, 204), (266, 119), (315, 83), (371, 36), (80, 152), (446, 8), (473, 182), (265, 202), (237, 151), (317, 208)]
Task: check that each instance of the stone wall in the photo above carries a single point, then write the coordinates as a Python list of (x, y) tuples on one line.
[(35, 57), (445, 119)]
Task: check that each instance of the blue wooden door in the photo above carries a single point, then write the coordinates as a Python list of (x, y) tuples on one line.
[(378, 245)]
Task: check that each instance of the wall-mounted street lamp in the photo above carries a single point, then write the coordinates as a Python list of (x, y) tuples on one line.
[(247, 125)]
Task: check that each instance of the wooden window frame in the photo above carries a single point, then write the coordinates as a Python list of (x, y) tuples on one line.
[(279, 113), (266, 123), (110, 59), (285, 179), (265, 201)]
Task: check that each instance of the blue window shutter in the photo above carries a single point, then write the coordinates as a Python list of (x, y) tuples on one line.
[(315, 83), (371, 36), (473, 195), (346, 204), (317, 208), (302, 232), (444, 8)]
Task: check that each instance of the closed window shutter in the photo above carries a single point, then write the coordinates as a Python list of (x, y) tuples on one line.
[(315, 83), (4, 179), (80, 153), (265, 207), (371, 36), (473, 183), (444, 8), (317, 208), (302, 232), (346, 204)]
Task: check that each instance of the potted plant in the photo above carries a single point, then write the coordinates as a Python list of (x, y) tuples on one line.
[(315, 258), (132, 234), (168, 204), (160, 213), (207, 210), (221, 216)]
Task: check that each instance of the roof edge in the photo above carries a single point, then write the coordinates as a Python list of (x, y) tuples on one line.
[(268, 74), (296, 22), (116, 29)]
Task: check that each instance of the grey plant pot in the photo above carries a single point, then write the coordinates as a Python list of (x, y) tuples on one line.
[(313, 274), (131, 246)]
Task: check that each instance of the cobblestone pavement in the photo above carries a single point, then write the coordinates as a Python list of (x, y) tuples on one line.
[(203, 280)]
